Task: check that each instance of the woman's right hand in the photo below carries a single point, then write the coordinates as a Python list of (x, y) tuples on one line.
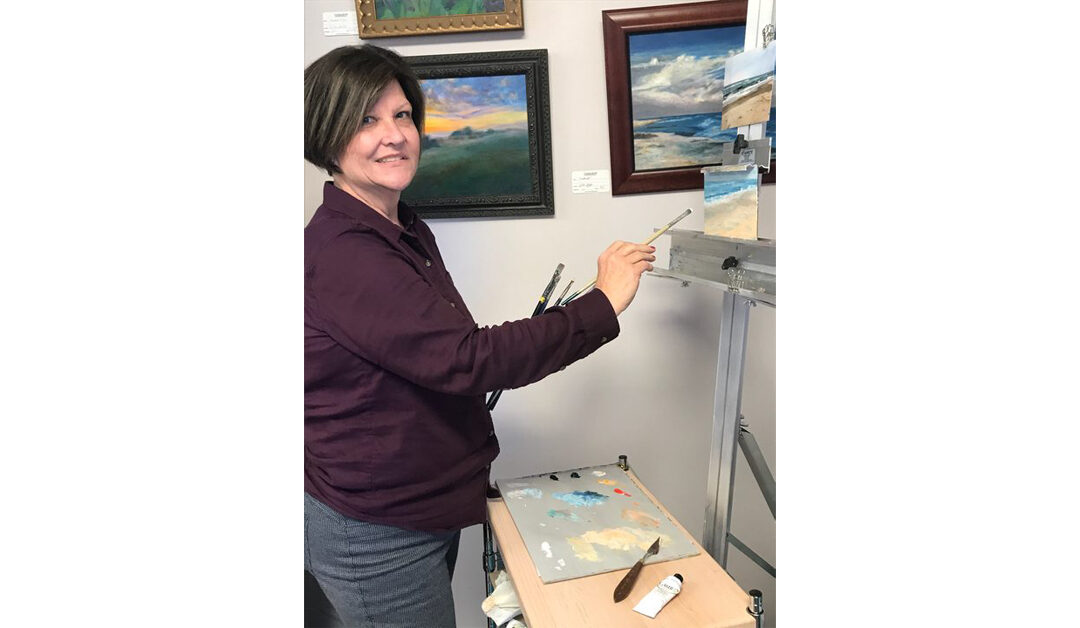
[(618, 271)]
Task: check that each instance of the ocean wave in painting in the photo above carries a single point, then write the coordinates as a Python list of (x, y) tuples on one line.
[(679, 141), (718, 188)]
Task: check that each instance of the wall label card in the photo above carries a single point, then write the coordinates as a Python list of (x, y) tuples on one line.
[(339, 23), (585, 181)]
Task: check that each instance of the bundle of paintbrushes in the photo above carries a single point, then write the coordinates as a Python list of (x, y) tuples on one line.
[(563, 299)]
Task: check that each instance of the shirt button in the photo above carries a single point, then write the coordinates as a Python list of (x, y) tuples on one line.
[(603, 340), (452, 305), (427, 263), (491, 433)]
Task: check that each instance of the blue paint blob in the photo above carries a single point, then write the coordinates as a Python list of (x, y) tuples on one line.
[(563, 514), (581, 498)]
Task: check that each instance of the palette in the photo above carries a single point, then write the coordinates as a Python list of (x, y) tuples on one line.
[(586, 521)]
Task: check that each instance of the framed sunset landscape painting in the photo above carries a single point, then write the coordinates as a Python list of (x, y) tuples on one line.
[(665, 77), (486, 142)]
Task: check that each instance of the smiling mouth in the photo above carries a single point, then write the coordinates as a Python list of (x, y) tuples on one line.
[(386, 160)]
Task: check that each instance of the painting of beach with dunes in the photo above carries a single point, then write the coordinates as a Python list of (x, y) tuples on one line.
[(587, 521), (748, 87), (731, 201), (676, 95), (476, 139)]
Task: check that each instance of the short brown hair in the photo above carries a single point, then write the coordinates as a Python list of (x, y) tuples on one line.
[(339, 89)]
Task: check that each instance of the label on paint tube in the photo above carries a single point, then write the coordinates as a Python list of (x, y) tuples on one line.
[(668, 588)]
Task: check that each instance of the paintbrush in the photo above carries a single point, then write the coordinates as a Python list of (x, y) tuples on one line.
[(659, 232), (564, 291), (627, 583), (541, 305)]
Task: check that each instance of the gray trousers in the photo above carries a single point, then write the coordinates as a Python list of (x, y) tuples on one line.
[(379, 576)]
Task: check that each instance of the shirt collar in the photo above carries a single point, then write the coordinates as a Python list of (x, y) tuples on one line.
[(339, 200)]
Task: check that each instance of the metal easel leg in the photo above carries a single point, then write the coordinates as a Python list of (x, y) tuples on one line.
[(490, 560), (726, 406), (759, 467), (756, 608), (752, 555)]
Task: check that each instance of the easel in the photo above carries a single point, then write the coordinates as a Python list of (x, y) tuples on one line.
[(746, 271)]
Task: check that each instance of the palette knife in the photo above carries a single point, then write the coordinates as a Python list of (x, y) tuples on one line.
[(627, 583)]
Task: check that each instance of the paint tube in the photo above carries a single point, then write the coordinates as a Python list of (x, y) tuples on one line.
[(668, 588)]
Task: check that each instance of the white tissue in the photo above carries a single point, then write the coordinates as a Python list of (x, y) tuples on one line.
[(503, 603)]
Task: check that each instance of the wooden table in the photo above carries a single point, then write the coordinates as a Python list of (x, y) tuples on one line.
[(709, 597)]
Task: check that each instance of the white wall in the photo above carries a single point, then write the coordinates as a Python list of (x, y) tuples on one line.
[(649, 394)]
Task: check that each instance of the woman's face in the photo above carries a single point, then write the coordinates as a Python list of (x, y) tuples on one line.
[(381, 159)]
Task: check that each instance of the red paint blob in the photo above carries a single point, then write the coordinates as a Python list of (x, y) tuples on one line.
[(622, 492)]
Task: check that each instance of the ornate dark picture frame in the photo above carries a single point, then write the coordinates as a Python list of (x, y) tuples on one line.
[(619, 26), (494, 15), (486, 147)]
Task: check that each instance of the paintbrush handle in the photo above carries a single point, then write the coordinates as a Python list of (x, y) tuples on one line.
[(537, 311), (659, 232), (627, 583), (671, 224)]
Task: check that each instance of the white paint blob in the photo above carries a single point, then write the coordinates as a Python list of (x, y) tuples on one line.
[(547, 548)]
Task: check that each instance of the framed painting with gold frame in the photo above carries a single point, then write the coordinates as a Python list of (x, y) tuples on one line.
[(400, 18)]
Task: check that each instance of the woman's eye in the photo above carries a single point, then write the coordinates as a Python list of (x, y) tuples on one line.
[(404, 114), (367, 120)]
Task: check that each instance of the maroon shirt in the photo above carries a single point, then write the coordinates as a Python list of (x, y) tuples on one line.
[(395, 370)]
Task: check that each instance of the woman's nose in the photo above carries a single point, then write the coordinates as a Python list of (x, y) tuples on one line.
[(391, 133)]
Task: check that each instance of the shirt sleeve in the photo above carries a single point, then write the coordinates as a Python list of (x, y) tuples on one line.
[(376, 304)]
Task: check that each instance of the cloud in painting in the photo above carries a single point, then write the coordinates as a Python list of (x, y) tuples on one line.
[(478, 102), (684, 85), (680, 72)]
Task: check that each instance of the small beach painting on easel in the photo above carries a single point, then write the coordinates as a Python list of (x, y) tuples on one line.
[(749, 81), (587, 521), (731, 201)]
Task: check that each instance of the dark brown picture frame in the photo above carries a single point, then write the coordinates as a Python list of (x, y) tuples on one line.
[(618, 26)]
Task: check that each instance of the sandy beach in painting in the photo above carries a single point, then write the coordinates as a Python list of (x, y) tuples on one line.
[(749, 106), (734, 215)]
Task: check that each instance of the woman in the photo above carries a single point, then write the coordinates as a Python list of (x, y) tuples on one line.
[(398, 442)]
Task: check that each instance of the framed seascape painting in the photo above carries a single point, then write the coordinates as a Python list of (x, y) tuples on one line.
[(665, 78), (486, 142), (398, 18)]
